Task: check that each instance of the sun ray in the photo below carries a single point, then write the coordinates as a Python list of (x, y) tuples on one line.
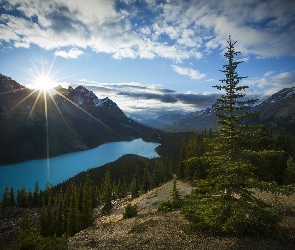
[(47, 134), (90, 115), (50, 68), (59, 111), (13, 91), (37, 98), (20, 102)]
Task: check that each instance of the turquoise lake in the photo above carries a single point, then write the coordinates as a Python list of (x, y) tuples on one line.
[(61, 168)]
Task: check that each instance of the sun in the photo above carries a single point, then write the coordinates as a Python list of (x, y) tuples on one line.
[(43, 83)]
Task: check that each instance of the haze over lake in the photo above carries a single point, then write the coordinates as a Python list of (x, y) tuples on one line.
[(61, 168)]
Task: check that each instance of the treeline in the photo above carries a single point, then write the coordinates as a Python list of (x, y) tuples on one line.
[(273, 156)]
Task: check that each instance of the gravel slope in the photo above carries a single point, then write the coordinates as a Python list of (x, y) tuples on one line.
[(153, 230)]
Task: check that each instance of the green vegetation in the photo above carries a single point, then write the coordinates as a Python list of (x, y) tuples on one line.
[(30, 238), (175, 203), (130, 211), (224, 201)]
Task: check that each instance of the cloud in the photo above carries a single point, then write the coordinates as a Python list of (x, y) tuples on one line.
[(176, 30), (269, 73), (285, 79), (141, 100), (271, 83), (72, 53), (193, 74)]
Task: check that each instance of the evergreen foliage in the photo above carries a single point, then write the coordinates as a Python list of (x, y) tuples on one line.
[(22, 197), (11, 195), (5, 197), (224, 201), (29, 237), (107, 193), (175, 203), (130, 211), (87, 213), (177, 200)]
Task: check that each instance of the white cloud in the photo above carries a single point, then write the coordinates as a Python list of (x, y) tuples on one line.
[(72, 53), (193, 74), (285, 79), (269, 73), (176, 30), (125, 53), (21, 45), (148, 100), (270, 83)]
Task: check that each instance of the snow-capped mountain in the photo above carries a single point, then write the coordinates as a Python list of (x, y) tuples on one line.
[(71, 119), (277, 111)]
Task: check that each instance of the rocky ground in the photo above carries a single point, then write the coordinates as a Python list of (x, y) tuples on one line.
[(153, 230)]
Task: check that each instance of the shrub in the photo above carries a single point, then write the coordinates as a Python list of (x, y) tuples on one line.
[(130, 211), (165, 206)]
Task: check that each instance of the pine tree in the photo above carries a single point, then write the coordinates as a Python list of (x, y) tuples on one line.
[(12, 198), (30, 198), (177, 200), (87, 213), (284, 141), (27, 238), (5, 197), (60, 224), (224, 202), (133, 188), (135, 184), (73, 215), (230, 105), (146, 180), (22, 197), (107, 193), (36, 194)]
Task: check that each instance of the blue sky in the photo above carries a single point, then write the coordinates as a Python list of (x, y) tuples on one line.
[(151, 57)]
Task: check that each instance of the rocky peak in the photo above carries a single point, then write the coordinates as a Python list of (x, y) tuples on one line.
[(280, 96), (7, 84)]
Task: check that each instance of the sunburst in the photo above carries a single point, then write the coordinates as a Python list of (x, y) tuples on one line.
[(43, 83), (43, 86)]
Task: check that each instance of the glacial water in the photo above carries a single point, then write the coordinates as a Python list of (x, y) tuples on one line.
[(61, 168)]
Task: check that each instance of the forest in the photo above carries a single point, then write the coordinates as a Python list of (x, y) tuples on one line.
[(225, 166)]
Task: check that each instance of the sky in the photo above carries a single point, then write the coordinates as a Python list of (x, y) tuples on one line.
[(151, 57)]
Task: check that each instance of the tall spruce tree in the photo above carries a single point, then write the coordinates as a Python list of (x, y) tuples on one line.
[(5, 197), (12, 198), (87, 213), (230, 106), (224, 202), (107, 193)]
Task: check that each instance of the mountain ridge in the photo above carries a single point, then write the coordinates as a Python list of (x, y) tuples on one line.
[(276, 112), (35, 125)]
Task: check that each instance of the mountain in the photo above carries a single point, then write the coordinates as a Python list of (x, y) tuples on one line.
[(70, 120), (277, 111)]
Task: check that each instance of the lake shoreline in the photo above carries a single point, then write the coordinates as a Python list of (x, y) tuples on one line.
[(60, 168)]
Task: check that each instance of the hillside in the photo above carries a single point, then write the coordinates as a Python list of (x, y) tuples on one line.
[(153, 230), (35, 125)]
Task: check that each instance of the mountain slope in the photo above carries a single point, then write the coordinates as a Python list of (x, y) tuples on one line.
[(155, 230), (69, 120)]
